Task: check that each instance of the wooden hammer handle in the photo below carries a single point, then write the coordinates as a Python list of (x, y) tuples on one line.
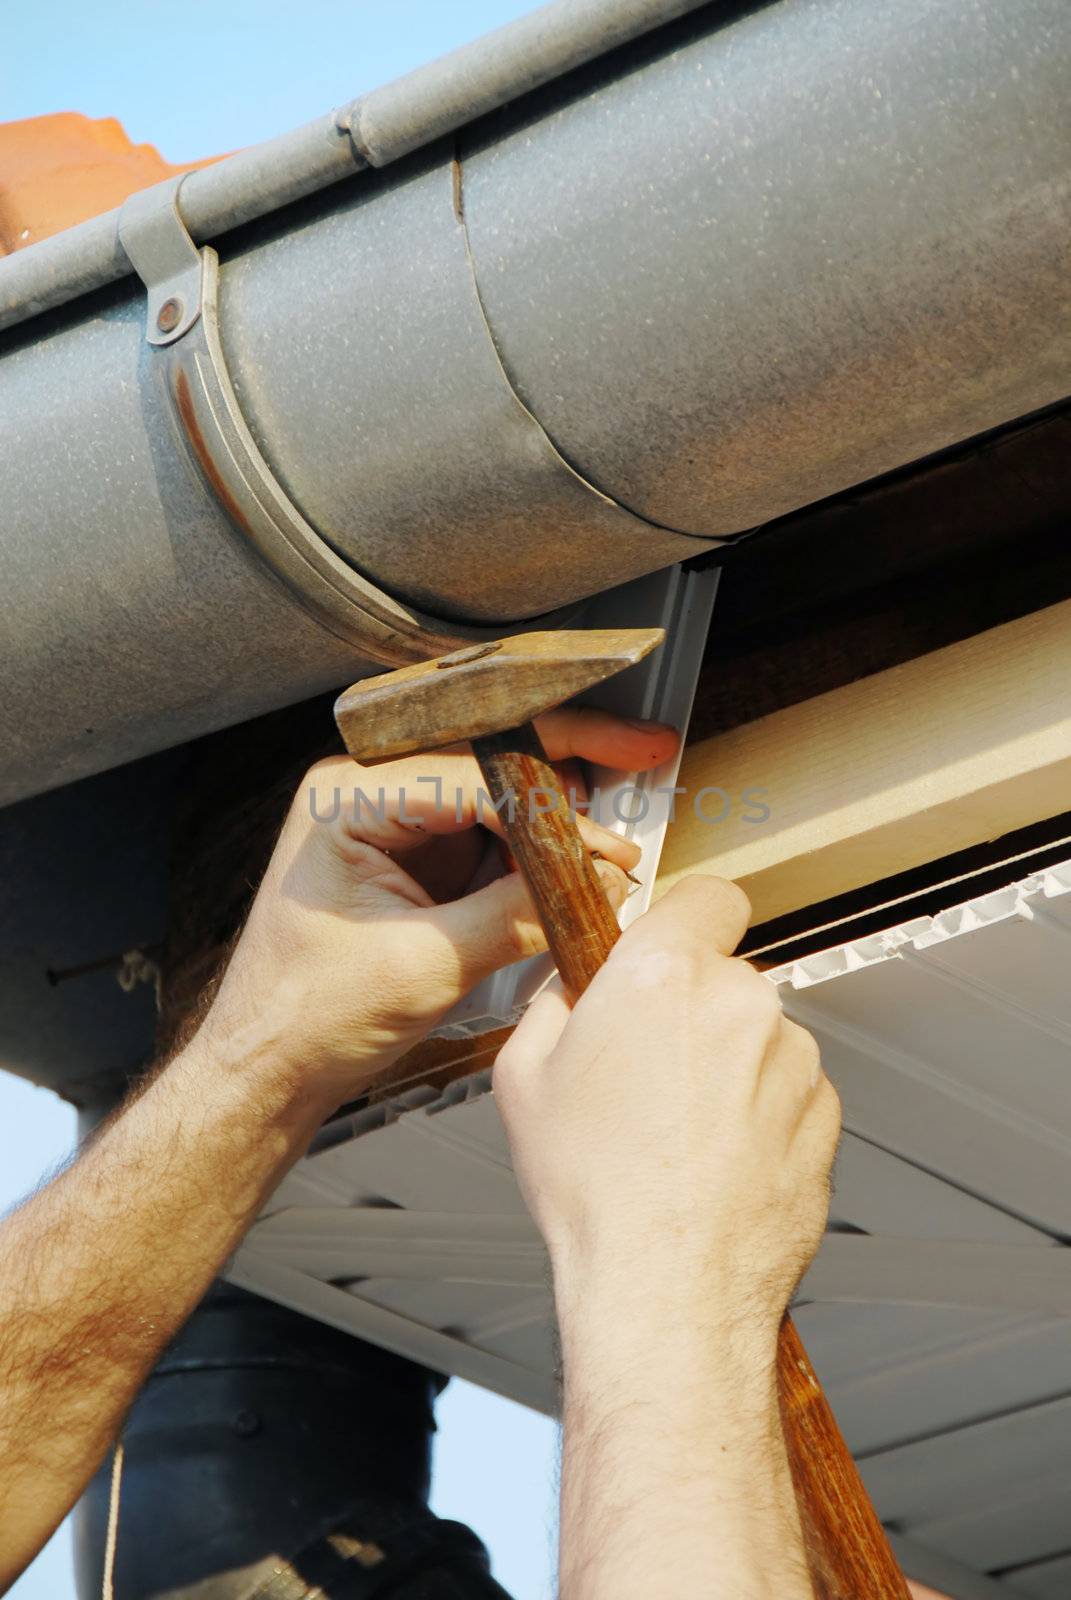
[(542, 835), (847, 1550)]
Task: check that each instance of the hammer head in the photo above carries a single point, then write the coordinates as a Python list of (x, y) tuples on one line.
[(481, 689)]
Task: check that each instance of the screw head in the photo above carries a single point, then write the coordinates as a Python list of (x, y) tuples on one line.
[(170, 314)]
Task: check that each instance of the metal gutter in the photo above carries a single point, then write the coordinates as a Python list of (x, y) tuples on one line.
[(374, 130), (468, 83), (761, 256)]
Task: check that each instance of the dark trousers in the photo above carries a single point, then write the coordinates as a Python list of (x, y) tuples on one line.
[(271, 1458)]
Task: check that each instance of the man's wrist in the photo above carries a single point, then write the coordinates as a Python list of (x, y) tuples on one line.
[(612, 1314), (258, 1068), (282, 1035)]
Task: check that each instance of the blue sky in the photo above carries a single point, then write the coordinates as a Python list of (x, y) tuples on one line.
[(195, 80), (203, 78)]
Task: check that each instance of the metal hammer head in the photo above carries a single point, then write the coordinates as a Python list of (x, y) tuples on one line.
[(481, 689)]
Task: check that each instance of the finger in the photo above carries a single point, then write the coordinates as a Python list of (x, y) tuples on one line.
[(536, 1035), (700, 909), (398, 805), (572, 783), (498, 924), (609, 741)]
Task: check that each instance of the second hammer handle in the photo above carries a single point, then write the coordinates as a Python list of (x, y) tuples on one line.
[(847, 1550)]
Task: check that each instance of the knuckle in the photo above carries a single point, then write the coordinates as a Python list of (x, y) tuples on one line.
[(508, 1070), (326, 773), (522, 940), (508, 931), (708, 912), (753, 993), (727, 913), (505, 1063), (320, 788), (326, 766), (804, 1045), (734, 900), (831, 1102), (719, 896), (647, 948)]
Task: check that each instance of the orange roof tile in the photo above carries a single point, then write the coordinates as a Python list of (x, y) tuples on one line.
[(60, 169)]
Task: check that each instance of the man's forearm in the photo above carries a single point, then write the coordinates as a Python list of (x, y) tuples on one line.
[(675, 1480), (101, 1267)]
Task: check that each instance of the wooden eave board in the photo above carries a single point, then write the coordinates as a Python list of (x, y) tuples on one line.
[(906, 766), (939, 1313)]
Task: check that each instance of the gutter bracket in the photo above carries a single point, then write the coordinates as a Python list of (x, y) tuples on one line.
[(165, 258), (182, 322)]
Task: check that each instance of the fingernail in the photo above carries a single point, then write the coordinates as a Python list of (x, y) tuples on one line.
[(646, 726), (614, 883)]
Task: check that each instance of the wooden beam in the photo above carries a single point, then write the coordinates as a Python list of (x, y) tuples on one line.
[(941, 753)]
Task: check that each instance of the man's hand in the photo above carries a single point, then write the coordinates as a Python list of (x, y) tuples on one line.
[(348, 957), (383, 904), (675, 1103), (673, 1136)]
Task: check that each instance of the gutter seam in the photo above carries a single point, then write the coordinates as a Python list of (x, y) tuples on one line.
[(704, 540)]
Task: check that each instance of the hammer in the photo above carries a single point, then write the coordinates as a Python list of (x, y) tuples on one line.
[(488, 694)]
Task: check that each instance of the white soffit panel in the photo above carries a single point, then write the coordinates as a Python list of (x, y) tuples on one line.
[(938, 1312), (1047, 1580)]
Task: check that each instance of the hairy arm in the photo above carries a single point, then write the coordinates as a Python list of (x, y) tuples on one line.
[(675, 1480), (103, 1265), (673, 1136)]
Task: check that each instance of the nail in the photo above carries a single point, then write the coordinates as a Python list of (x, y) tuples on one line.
[(597, 855)]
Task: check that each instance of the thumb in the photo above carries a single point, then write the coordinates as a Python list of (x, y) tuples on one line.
[(498, 925)]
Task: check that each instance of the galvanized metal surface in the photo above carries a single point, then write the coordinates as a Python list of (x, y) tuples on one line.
[(937, 1312), (375, 392), (377, 128), (165, 258), (772, 255), (207, 414), (836, 234), (137, 610), (133, 618), (510, 62), (244, 186)]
